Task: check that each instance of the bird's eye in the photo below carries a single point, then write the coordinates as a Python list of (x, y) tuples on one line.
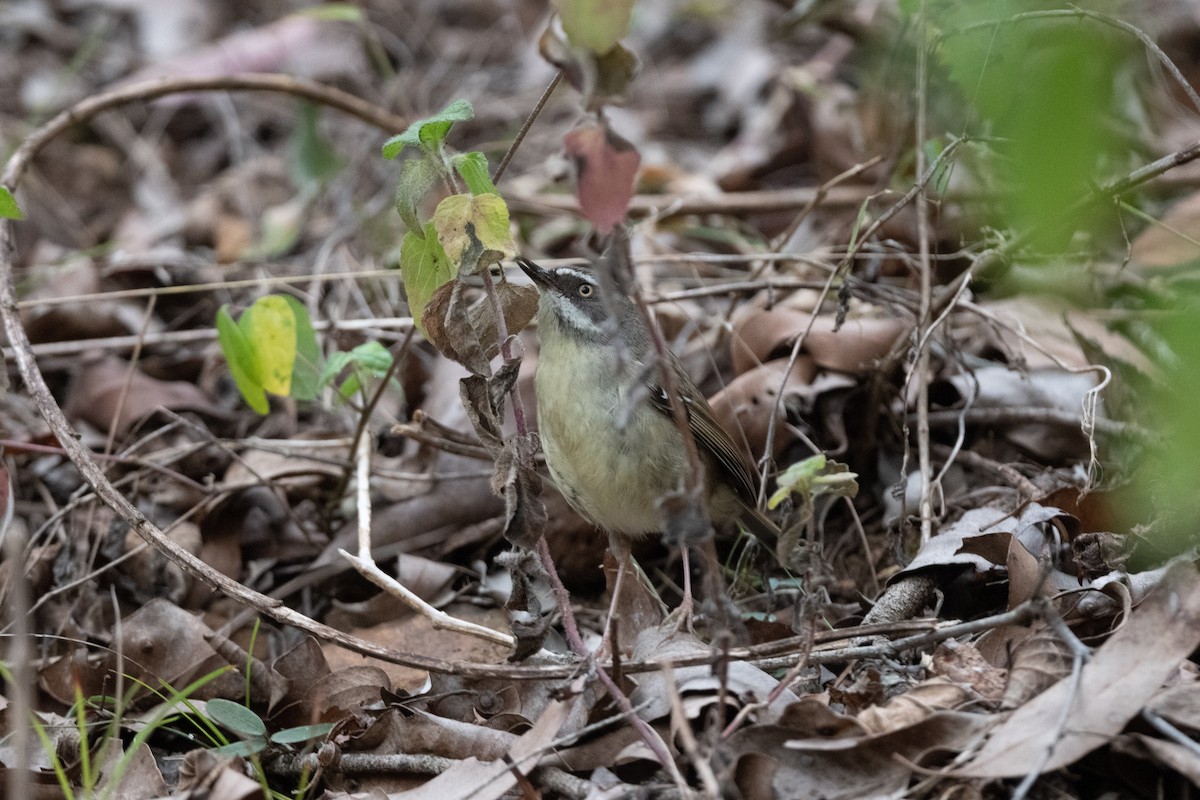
[(586, 290)]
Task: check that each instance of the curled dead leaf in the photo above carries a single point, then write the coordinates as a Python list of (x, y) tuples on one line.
[(855, 347), (744, 406), (474, 340)]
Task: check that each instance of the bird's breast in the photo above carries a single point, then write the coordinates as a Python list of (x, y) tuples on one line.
[(612, 475)]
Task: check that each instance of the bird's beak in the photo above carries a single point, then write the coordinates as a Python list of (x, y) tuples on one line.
[(542, 277)]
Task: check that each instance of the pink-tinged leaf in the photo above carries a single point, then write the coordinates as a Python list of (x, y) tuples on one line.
[(606, 166)]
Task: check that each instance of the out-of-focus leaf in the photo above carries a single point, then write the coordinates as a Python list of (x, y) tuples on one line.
[(240, 357), (8, 205), (596, 25), (602, 79), (1047, 91), (281, 227), (429, 132), (606, 166), (270, 327), (474, 230), (473, 167), (243, 749), (372, 357), (315, 159), (306, 369), (423, 268)]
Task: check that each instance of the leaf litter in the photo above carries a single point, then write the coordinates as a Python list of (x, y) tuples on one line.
[(1046, 634)]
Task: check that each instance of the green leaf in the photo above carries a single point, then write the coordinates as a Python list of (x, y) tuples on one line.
[(423, 268), (349, 387), (429, 132), (474, 230), (333, 367), (243, 749), (270, 327), (315, 159), (239, 355), (595, 25), (473, 167), (306, 369), (302, 733), (235, 717), (417, 177), (813, 477), (372, 357), (8, 205)]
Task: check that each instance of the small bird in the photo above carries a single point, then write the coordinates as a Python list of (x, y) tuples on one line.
[(607, 430)]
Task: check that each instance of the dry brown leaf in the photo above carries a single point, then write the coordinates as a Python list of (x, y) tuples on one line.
[(762, 335), (962, 663), (107, 386), (415, 634), (771, 760), (855, 347), (936, 694), (140, 778), (479, 780), (294, 468), (206, 775), (1179, 705), (742, 683), (163, 643), (1166, 753), (1163, 245), (744, 406), (1122, 676), (1038, 662)]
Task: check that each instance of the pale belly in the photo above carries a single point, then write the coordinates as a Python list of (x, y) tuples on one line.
[(607, 474)]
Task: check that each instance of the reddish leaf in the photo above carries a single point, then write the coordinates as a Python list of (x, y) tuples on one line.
[(606, 166)]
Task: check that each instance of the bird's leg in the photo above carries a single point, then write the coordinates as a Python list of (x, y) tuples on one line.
[(687, 606)]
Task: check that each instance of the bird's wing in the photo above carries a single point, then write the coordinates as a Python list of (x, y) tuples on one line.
[(711, 436)]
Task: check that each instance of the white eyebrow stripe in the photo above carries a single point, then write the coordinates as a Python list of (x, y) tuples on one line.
[(583, 276)]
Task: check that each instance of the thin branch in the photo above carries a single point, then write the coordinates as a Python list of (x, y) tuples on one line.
[(366, 566), (526, 125)]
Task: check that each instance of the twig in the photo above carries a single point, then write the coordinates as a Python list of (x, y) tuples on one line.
[(366, 566), (924, 317), (15, 595), (72, 348), (1080, 654), (662, 206), (1022, 415), (526, 125), (1171, 732)]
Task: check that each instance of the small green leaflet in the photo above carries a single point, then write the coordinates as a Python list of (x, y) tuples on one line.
[(429, 132), (271, 349), (423, 268), (369, 358), (417, 176), (473, 167)]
